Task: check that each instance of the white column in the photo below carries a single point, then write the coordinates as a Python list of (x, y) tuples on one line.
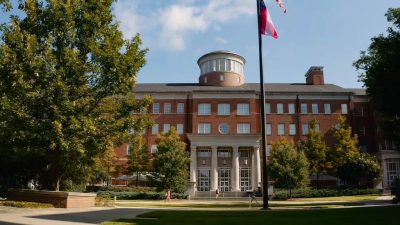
[(193, 164), (214, 169), (256, 168), (235, 179)]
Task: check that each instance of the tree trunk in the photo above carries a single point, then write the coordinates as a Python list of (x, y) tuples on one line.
[(137, 178)]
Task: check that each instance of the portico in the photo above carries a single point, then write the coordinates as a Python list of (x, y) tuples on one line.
[(230, 164)]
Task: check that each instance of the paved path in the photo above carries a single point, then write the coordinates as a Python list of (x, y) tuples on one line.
[(56, 216)]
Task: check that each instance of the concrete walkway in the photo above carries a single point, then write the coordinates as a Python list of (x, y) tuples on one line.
[(56, 216)]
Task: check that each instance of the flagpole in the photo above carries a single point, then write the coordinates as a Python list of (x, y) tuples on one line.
[(263, 117)]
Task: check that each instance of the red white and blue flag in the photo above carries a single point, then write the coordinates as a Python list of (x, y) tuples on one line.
[(266, 26)]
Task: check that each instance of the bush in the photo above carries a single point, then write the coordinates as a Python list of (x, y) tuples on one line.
[(118, 189), (396, 190), (104, 202), (315, 193), (125, 195), (18, 204)]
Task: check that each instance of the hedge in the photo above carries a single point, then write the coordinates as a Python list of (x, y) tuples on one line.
[(118, 189), (124, 195), (21, 204), (315, 193)]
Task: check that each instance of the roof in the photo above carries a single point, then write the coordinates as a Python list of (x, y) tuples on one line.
[(358, 91), (250, 87), (221, 52)]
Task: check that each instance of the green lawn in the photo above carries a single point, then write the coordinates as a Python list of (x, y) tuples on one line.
[(388, 215)]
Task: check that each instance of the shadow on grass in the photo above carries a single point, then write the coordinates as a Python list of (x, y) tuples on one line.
[(387, 215)]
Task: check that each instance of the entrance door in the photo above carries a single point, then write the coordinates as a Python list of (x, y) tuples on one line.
[(224, 179)]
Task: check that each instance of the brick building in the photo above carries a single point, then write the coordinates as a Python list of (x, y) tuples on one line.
[(218, 118)]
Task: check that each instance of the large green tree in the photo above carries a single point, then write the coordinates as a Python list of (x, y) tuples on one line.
[(66, 82), (139, 157), (357, 169), (315, 149), (380, 73), (288, 168), (171, 162), (346, 144)]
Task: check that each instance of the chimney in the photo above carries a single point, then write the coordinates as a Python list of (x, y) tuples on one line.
[(315, 75)]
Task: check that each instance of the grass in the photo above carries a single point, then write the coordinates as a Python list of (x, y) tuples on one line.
[(387, 215), (21, 204), (338, 198)]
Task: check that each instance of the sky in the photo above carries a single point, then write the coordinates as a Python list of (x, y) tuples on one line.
[(328, 33)]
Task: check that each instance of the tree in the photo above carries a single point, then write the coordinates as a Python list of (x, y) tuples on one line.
[(346, 145), (104, 166), (139, 157), (315, 150), (356, 169), (66, 89), (288, 167), (380, 74), (171, 162)]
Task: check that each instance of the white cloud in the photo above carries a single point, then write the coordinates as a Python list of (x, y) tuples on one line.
[(177, 21), (221, 40)]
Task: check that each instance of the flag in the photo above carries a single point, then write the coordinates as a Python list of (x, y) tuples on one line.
[(267, 26), (280, 3)]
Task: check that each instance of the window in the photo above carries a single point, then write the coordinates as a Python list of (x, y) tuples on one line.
[(128, 150), (221, 77), (361, 111), (279, 108), (204, 109), (303, 107), (167, 108), (244, 154), (204, 153), (224, 179), (317, 127), (203, 179), (267, 108), (304, 128), (243, 109), (224, 109), (205, 80), (156, 108), (292, 129), (393, 170), (179, 128), (223, 128), (225, 153), (154, 129), (243, 128), (344, 108), (281, 129), (167, 127), (269, 147), (245, 179), (314, 108), (327, 108), (204, 128), (180, 108), (268, 129), (291, 108), (153, 149)]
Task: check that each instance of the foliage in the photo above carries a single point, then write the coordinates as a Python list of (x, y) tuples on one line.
[(171, 162), (362, 167), (103, 167), (396, 190), (346, 145), (288, 168), (125, 195), (118, 189), (139, 158), (323, 192), (106, 201), (19, 204), (380, 74), (315, 150), (66, 90)]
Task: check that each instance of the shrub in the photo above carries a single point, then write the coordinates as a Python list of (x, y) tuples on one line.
[(315, 193), (396, 190), (118, 189), (125, 195), (19, 204), (104, 201)]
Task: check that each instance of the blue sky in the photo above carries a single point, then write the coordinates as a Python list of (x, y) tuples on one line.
[(329, 33)]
